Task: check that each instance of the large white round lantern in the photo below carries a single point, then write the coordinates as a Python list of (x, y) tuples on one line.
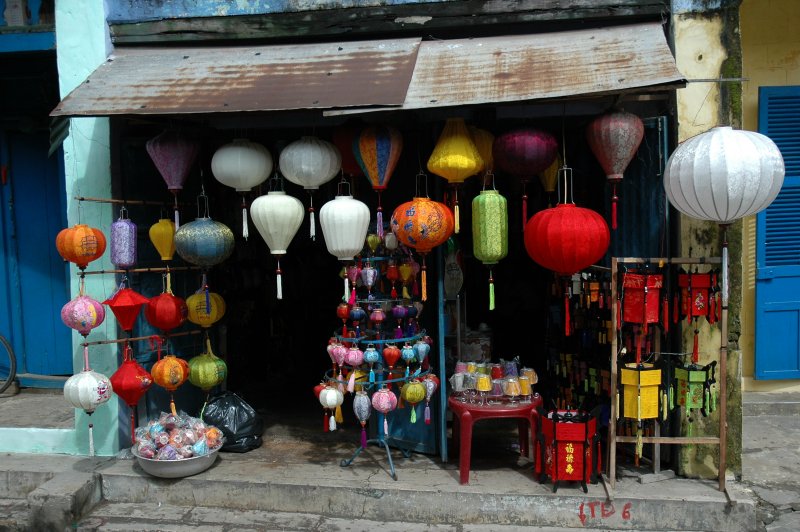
[(277, 217), (344, 222), (724, 174), (310, 162), (87, 390), (242, 165)]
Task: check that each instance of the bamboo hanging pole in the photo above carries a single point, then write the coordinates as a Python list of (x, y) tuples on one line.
[(143, 270), (139, 338), (130, 202)]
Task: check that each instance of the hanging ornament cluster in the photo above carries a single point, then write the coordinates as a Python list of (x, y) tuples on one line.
[(614, 138), (310, 162), (173, 155), (242, 165), (377, 150), (455, 158)]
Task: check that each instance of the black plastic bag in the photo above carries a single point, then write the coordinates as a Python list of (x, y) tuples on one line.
[(238, 421)]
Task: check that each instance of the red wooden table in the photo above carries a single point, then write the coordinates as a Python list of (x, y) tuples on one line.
[(466, 414)]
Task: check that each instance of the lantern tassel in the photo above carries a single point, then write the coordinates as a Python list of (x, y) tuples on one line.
[(696, 347), (325, 423), (666, 315), (172, 405), (208, 296), (371, 375), (332, 423), (424, 280), (279, 284), (456, 216), (491, 291), (312, 218), (177, 214), (385, 426), (346, 296), (363, 437), (614, 199), (567, 319), (351, 382), (340, 380), (86, 357), (524, 208), (413, 414), (428, 414), (133, 428), (379, 222), (352, 300), (91, 439), (338, 417)]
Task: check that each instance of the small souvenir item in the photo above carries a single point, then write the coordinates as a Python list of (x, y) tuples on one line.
[(413, 393), (384, 401), (362, 407)]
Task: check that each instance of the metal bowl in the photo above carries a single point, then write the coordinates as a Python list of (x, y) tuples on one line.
[(185, 467)]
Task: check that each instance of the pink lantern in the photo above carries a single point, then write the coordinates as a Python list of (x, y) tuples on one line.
[(173, 154), (83, 314), (384, 401), (614, 138)]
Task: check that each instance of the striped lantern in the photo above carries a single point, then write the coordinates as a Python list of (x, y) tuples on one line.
[(490, 232), (377, 150)]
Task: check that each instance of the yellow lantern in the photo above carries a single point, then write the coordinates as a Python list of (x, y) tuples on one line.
[(455, 157), (549, 177), (162, 235), (413, 393), (483, 141), (206, 370), (205, 312)]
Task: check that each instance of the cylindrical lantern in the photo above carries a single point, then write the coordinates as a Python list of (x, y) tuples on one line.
[(173, 155), (162, 235), (310, 162), (81, 244), (123, 241), (242, 165), (524, 153), (205, 309), (422, 224), (83, 314), (344, 224), (490, 232), (724, 174), (377, 150), (206, 370), (277, 217), (455, 158), (614, 138)]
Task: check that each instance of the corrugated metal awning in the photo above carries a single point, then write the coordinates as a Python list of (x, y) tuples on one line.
[(377, 75), (148, 81)]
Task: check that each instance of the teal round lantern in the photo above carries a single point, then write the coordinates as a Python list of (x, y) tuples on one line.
[(490, 232), (204, 242)]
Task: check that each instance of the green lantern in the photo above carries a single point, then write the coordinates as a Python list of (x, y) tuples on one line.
[(206, 370), (490, 231)]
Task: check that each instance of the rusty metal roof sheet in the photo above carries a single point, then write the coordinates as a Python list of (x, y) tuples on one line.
[(537, 66), (136, 81)]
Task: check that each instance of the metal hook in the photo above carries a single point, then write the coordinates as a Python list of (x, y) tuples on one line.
[(206, 211)]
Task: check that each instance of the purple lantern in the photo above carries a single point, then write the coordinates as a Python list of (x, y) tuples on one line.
[(83, 314), (173, 154), (399, 312), (524, 153), (123, 241)]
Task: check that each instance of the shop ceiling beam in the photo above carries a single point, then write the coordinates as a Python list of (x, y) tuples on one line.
[(150, 21)]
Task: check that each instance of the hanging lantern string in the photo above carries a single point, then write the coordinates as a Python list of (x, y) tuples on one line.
[(202, 197), (565, 175)]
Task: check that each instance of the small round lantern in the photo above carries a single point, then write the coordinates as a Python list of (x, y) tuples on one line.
[(384, 401), (123, 241), (173, 155), (421, 350), (277, 217), (166, 311), (344, 222), (83, 314), (362, 408), (207, 370), (242, 165), (162, 235), (490, 232), (81, 244), (391, 355), (371, 356), (455, 158), (431, 383), (422, 224), (204, 242), (310, 162), (413, 393), (205, 308), (87, 390), (331, 398), (170, 372), (408, 355), (377, 150)]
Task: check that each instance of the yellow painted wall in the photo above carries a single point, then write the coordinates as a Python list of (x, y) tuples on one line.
[(770, 57)]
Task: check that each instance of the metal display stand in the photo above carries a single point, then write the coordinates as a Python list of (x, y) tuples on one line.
[(613, 437)]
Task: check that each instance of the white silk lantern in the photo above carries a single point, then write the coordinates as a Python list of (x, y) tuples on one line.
[(331, 398), (242, 165), (344, 222), (87, 390), (277, 217), (310, 162)]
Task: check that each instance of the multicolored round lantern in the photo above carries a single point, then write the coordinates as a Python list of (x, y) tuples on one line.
[(431, 383), (80, 244), (310, 162), (331, 398), (173, 155), (130, 382), (384, 401), (490, 232), (126, 305), (87, 390), (344, 138), (83, 314), (207, 370), (205, 308), (204, 242), (242, 165), (362, 408), (344, 222), (162, 235), (614, 138), (455, 158), (166, 311), (123, 241), (170, 372), (413, 393), (377, 151), (422, 224), (277, 217), (524, 153)]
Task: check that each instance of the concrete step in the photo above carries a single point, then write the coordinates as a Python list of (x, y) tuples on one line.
[(770, 404), (14, 515)]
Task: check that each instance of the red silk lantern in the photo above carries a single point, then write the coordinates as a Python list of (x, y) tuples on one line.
[(130, 382), (80, 244), (126, 305), (423, 224), (614, 138), (344, 138), (524, 153), (173, 155), (166, 311)]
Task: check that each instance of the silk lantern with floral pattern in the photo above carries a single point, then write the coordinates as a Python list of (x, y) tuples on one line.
[(204, 242), (384, 401), (362, 408), (83, 314), (169, 372)]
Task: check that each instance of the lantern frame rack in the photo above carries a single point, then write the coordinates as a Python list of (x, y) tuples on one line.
[(364, 339), (377, 384), (657, 440)]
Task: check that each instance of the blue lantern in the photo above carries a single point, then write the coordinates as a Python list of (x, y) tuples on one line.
[(204, 242)]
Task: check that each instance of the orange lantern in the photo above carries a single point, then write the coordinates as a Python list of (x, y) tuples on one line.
[(81, 244), (422, 224), (169, 372)]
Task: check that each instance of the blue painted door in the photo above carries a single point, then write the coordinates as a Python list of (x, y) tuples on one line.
[(777, 353), (33, 277)]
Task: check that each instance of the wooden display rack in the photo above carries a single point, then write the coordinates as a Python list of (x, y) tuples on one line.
[(657, 440)]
